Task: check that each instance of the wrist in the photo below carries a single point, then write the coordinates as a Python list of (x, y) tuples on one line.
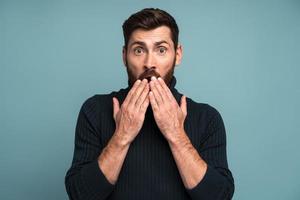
[(178, 138), (120, 140)]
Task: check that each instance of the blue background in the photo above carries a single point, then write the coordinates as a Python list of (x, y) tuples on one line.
[(241, 57)]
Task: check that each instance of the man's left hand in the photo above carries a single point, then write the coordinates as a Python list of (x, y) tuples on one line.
[(169, 116)]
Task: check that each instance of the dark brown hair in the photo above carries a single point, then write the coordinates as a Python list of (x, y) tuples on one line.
[(148, 19)]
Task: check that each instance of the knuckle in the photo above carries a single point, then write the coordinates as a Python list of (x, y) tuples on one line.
[(168, 108), (123, 107), (174, 104), (130, 93), (144, 106), (138, 102), (128, 112)]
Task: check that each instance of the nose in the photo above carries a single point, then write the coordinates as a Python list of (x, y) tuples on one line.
[(149, 61)]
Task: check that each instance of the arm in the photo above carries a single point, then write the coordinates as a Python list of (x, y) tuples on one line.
[(209, 179), (92, 176), (128, 124), (85, 180), (206, 176), (113, 155), (191, 166)]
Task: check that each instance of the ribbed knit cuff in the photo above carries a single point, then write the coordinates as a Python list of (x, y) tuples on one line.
[(96, 180), (209, 187)]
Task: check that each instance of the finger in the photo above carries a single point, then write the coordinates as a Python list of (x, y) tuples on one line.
[(116, 107), (131, 92), (155, 92), (153, 102), (183, 105), (145, 105), (137, 93), (166, 89), (142, 97), (160, 90)]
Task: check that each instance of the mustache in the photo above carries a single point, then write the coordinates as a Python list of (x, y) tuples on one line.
[(148, 74)]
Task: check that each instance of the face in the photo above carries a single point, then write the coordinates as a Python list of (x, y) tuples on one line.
[(151, 53)]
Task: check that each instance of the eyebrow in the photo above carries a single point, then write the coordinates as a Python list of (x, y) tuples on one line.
[(144, 44)]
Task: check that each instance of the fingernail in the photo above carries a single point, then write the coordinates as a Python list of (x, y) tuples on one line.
[(153, 78)]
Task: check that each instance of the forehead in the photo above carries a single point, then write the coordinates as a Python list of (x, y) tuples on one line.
[(151, 36)]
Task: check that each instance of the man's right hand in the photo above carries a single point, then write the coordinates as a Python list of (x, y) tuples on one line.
[(129, 118)]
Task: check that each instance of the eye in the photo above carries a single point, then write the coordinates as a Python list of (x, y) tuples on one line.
[(138, 50), (162, 50)]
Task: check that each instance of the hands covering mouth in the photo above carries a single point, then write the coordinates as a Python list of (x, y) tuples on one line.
[(148, 74)]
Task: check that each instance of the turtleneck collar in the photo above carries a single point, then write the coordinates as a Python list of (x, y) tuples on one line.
[(123, 92)]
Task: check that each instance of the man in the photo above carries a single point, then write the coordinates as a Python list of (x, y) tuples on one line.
[(148, 141)]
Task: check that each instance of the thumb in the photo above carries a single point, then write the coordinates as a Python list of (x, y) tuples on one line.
[(183, 105), (116, 107)]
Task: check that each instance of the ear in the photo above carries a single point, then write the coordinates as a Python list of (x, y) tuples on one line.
[(124, 55), (179, 52)]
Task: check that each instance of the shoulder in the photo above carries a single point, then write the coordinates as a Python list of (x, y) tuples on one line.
[(202, 110), (202, 121), (102, 102), (96, 101), (99, 104), (95, 108), (206, 118)]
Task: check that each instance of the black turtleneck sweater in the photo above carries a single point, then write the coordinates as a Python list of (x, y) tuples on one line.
[(149, 170)]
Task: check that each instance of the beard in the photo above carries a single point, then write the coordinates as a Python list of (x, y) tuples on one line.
[(148, 73)]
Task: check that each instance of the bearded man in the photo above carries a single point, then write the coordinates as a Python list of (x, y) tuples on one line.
[(148, 141)]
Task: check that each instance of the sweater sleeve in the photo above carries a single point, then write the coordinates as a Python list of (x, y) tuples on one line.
[(85, 180), (218, 182)]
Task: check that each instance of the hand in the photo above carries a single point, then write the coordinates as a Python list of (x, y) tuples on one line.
[(129, 118), (168, 115)]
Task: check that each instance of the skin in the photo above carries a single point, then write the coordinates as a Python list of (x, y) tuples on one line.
[(151, 50), (146, 50)]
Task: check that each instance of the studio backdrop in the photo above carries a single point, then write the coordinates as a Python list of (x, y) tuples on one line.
[(242, 57)]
